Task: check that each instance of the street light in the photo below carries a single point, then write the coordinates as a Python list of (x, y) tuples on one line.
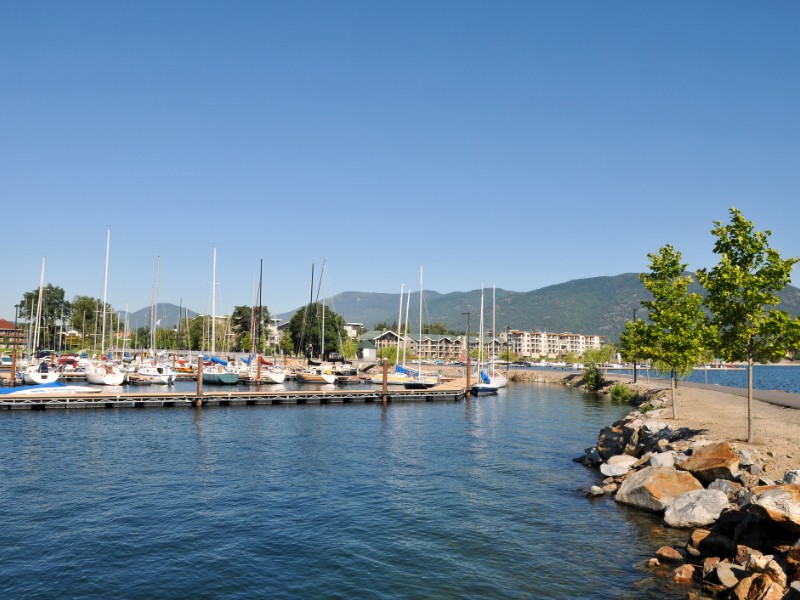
[(508, 347)]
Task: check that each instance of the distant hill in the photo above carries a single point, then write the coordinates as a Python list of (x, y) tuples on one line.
[(167, 316), (598, 305)]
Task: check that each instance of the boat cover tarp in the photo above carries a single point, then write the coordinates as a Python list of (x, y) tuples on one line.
[(405, 371), (485, 377), (20, 388), (219, 361)]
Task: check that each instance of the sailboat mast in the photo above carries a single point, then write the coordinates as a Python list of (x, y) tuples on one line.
[(214, 304), (419, 349), (494, 325), (37, 329), (480, 335), (405, 336), (399, 323), (105, 290), (260, 290), (322, 343)]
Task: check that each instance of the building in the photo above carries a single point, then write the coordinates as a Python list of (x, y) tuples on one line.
[(539, 344), (11, 336), (353, 329)]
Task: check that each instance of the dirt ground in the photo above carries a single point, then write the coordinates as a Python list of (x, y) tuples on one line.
[(723, 416)]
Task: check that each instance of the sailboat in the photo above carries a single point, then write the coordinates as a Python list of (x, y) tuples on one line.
[(488, 383), (420, 380), (151, 371), (401, 375), (41, 372), (261, 371), (219, 371), (104, 372), (317, 372)]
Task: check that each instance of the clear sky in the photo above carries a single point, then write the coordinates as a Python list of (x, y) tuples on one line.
[(518, 144)]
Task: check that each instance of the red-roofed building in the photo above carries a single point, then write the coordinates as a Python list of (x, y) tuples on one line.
[(8, 334)]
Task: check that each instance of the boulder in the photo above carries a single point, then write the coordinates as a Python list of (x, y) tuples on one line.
[(729, 488), (759, 587), (710, 565), (703, 542), (662, 459), (668, 554), (780, 504), (683, 574), (792, 476), (595, 491), (729, 575), (745, 458), (655, 488), (612, 441), (696, 508), (617, 465), (712, 461), (652, 427)]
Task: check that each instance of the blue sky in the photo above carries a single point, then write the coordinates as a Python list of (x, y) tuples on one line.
[(518, 144)]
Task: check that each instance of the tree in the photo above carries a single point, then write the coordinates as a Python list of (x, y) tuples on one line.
[(674, 339), (436, 329), (742, 298), (54, 308), (305, 326)]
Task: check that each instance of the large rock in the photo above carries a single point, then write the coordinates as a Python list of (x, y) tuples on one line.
[(618, 465), (712, 461), (780, 504), (759, 587), (662, 459), (696, 508), (655, 488), (703, 542), (612, 441)]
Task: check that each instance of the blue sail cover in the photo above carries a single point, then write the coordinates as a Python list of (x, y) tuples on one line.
[(219, 361), (247, 360), (485, 378), (19, 388), (403, 370)]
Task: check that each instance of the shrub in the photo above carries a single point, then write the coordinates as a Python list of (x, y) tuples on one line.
[(593, 378), (622, 393)]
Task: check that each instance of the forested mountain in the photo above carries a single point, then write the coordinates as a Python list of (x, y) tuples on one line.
[(167, 316), (598, 305)]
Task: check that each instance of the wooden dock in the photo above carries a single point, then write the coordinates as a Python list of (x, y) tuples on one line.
[(448, 392)]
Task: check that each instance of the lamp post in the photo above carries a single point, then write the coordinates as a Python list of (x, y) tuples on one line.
[(469, 387), (634, 358)]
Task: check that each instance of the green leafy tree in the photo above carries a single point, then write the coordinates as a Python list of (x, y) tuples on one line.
[(436, 329), (674, 339), (54, 309), (305, 330), (742, 297)]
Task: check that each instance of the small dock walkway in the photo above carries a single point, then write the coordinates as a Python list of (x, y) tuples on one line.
[(59, 400)]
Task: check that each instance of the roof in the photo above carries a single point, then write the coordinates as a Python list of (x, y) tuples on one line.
[(6, 324)]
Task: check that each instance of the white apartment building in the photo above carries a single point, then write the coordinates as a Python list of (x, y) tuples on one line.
[(538, 344)]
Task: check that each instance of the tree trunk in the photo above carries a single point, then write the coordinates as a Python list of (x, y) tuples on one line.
[(672, 389), (751, 434)]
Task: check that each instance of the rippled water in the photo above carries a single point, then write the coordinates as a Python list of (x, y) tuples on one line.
[(475, 499)]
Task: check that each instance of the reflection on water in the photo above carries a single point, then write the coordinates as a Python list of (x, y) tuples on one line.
[(476, 500)]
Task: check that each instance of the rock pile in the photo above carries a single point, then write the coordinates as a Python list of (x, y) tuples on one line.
[(745, 528)]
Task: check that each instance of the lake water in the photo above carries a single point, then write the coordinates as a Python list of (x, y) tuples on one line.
[(475, 499)]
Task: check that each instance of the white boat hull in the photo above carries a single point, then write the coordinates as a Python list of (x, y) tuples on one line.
[(104, 375), (32, 376)]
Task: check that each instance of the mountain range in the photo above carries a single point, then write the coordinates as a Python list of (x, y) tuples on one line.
[(597, 305), (167, 316)]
